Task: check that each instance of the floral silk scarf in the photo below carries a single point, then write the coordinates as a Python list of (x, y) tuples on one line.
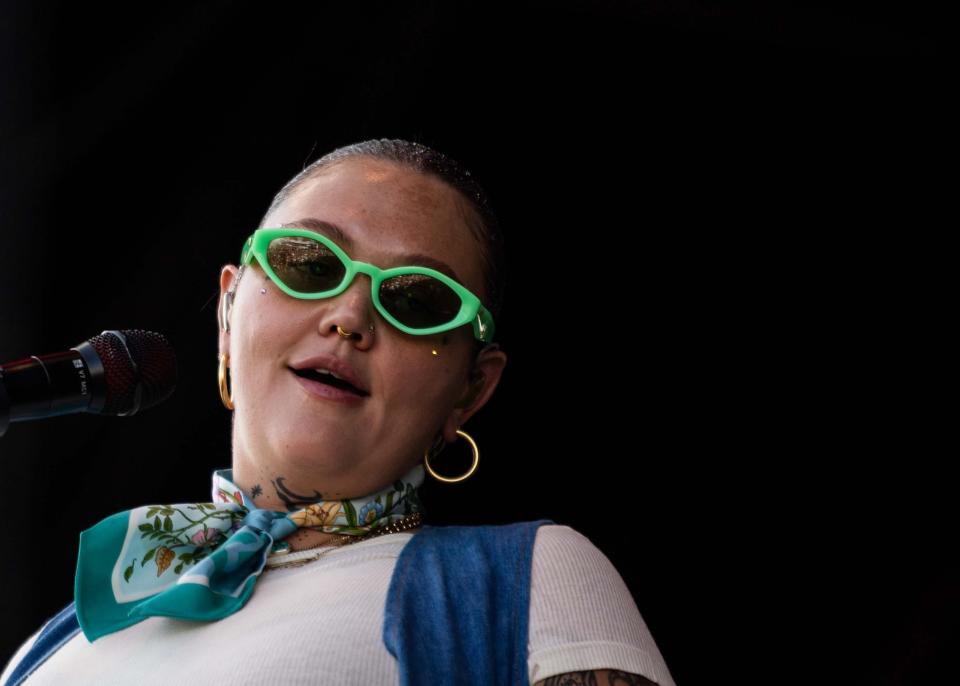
[(200, 561)]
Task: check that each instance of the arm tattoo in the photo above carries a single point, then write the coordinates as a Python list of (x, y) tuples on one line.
[(619, 678), (572, 679), (598, 677), (255, 491)]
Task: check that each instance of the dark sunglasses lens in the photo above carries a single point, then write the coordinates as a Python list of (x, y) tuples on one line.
[(305, 265), (419, 301)]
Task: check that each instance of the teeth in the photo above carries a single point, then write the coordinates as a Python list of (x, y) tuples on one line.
[(327, 371)]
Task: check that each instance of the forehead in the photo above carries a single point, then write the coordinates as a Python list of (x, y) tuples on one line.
[(387, 211)]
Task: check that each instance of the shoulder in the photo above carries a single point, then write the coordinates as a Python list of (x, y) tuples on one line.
[(561, 548), (561, 534), (512, 533), (582, 614), (567, 565), (551, 542), (574, 580)]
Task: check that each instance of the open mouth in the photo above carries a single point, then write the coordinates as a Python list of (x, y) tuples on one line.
[(330, 380)]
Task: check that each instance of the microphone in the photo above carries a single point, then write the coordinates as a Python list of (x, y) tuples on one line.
[(116, 373)]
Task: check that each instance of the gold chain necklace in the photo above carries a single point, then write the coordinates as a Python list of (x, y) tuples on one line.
[(273, 562)]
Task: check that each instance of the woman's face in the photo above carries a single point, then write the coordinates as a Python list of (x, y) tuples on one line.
[(348, 449)]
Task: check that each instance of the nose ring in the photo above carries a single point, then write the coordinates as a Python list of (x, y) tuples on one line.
[(347, 334)]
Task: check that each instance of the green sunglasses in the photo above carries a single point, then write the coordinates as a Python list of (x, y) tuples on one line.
[(417, 300)]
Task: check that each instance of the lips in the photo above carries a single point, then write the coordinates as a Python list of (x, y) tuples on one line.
[(328, 379), (333, 371), (329, 392)]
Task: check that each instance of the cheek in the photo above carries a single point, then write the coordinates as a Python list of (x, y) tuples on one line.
[(255, 338), (458, 342), (263, 328), (426, 373), (433, 373), (448, 350), (442, 342)]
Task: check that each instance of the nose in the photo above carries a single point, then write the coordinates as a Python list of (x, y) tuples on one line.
[(350, 314)]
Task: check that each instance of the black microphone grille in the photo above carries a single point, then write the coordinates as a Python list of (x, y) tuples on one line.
[(140, 369)]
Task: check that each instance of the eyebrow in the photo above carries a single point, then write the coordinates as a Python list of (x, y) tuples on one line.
[(334, 232)]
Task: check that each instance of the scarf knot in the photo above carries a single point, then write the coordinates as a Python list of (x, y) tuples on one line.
[(276, 525)]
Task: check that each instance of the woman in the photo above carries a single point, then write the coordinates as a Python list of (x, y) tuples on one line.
[(343, 396)]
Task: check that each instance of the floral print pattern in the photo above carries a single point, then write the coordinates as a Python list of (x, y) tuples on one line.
[(173, 539)]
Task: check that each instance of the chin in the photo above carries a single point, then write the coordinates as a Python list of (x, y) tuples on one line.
[(323, 460)]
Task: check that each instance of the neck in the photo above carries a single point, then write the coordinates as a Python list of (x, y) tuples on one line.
[(272, 490), (329, 520), (287, 488)]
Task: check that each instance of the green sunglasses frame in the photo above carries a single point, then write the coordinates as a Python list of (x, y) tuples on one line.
[(471, 309)]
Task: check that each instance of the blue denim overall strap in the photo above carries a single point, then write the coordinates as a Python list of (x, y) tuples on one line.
[(458, 605), (55, 633)]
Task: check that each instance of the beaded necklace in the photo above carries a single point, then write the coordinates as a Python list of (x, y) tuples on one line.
[(275, 560)]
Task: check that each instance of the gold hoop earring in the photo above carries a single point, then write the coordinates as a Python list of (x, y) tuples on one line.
[(473, 467), (225, 395)]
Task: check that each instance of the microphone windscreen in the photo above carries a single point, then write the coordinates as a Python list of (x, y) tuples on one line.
[(140, 369)]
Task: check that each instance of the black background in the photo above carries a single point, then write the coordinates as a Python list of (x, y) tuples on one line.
[(724, 320)]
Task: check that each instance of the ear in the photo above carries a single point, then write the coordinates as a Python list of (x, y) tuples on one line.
[(228, 283), (478, 389)]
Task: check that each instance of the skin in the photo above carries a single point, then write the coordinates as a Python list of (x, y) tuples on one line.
[(286, 441)]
